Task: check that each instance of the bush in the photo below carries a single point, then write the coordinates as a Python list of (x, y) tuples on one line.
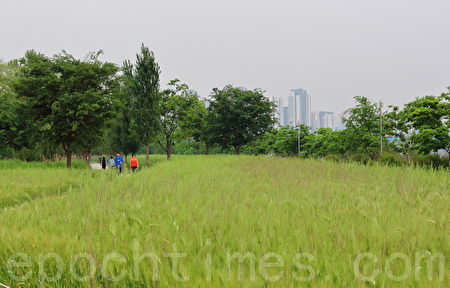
[(360, 158), (393, 159), (334, 157), (430, 160)]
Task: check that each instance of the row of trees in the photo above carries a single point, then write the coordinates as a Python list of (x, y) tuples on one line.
[(421, 127), (62, 105)]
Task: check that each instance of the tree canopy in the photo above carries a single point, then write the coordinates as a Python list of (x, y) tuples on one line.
[(237, 117), (70, 99), (142, 82)]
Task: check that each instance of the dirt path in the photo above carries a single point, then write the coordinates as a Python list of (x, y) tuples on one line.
[(96, 166)]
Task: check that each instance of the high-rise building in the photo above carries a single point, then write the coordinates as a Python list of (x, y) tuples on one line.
[(292, 119), (326, 119), (280, 110), (295, 108), (315, 121), (285, 116), (337, 121), (301, 106)]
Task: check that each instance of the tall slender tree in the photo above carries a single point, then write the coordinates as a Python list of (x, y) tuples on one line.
[(142, 80)]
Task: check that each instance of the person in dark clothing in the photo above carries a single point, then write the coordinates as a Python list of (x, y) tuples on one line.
[(104, 163)]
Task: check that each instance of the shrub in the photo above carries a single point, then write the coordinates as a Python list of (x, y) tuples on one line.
[(360, 158), (430, 160), (334, 157), (393, 159)]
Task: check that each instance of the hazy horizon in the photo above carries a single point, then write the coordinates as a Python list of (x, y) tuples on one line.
[(394, 50)]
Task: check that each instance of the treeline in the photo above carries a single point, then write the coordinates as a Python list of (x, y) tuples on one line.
[(60, 105), (409, 136)]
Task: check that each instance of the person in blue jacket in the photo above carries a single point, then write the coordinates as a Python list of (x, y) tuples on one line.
[(119, 162)]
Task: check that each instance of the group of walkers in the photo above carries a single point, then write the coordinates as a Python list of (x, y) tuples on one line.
[(117, 162)]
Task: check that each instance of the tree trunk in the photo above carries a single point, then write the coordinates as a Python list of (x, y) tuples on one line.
[(89, 158), (168, 152), (69, 158), (126, 160), (206, 149), (237, 148), (408, 156), (197, 149), (148, 160)]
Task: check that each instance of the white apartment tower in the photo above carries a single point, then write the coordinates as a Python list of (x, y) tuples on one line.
[(301, 106)]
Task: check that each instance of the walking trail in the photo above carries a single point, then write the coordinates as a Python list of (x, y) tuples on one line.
[(96, 166)]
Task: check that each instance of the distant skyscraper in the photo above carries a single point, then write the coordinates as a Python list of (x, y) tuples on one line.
[(326, 119), (315, 121), (301, 106), (292, 119), (295, 108), (285, 116), (279, 111), (337, 121)]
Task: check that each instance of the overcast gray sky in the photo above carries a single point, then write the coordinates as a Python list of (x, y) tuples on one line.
[(390, 49)]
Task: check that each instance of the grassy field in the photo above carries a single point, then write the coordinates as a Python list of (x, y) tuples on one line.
[(185, 223)]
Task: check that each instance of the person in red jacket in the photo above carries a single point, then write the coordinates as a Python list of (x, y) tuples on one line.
[(134, 163)]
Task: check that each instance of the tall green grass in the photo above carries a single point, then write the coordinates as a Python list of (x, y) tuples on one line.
[(209, 206), (15, 164)]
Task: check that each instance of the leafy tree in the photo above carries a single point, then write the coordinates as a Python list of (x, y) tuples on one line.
[(142, 80), (286, 140), (123, 134), (430, 116), (179, 109), (398, 126), (262, 145), (237, 117), (194, 125), (9, 105), (363, 127), (68, 98)]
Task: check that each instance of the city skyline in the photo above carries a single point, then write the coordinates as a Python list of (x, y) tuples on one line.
[(296, 108)]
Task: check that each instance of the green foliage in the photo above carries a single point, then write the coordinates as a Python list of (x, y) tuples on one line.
[(363, 127), (123, 134), (70, 100), (430, 115), (9, 105), (398, 126), (393, 159), (360, 158), (237, 117), (429, 160), (334, 157), (142, 82), (181, 112)]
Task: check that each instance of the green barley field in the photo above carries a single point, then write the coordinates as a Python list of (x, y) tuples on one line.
[(224, 221)]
